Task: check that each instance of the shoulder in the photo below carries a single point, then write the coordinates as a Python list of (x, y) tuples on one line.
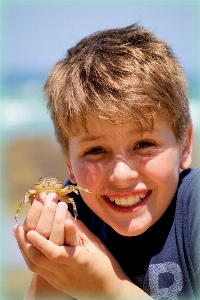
[(188, 193), (190, 175), (189, 183), (188, 210)]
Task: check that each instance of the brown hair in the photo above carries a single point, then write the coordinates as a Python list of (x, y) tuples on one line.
[(118, 75)]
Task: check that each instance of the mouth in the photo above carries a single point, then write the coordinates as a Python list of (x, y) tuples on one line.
[(127, 200)]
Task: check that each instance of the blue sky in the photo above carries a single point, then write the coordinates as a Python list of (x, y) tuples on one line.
[(35, 34)]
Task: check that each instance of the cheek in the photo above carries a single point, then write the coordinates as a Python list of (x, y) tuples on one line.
[(165, 168), (88, 174)]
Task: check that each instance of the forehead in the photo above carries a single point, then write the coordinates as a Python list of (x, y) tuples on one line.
[(99, 128)]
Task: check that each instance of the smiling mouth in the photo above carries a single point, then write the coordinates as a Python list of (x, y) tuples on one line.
[(127, 201)]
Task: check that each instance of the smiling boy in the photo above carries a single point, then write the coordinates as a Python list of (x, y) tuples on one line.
[(120, 108), (132, 176)]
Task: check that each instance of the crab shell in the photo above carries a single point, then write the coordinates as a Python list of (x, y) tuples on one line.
[(51, 185)]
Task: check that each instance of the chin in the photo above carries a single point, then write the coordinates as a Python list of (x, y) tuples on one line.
[(130, 231)]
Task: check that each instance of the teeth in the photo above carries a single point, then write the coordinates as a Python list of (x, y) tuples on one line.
[(128, 201)]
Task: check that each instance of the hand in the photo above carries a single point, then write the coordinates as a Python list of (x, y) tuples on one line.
[(74, 270), (48, 217), (84, 272), (88, 271), (52, 220)]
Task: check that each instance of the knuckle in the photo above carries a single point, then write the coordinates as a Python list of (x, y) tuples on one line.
[(29, 226), (44, 232), (56, 256)]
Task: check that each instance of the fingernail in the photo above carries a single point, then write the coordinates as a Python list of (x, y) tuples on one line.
[(62, 206), (52, 197), (41, 197)]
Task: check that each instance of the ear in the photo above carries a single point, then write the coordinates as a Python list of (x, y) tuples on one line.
[(186, 150), (71, 173)]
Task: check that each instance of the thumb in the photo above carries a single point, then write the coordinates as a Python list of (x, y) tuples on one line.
[(86, 235)]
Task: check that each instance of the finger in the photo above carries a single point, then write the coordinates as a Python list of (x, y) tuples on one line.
[(34, 213), (70, 236), (45, 222), (24, 245), (24, 254), (37, 268), (84, 233), (57, 254), (57, 232), (34, 258)]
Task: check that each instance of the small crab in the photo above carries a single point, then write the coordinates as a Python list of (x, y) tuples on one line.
[(51, 185)]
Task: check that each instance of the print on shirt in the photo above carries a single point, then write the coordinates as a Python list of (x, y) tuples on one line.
[(165, 280)]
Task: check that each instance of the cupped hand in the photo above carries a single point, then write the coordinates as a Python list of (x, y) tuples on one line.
[(84, 272), (52, 220), (67, 255)]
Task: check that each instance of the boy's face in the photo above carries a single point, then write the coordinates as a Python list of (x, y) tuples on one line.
[(132, 174)]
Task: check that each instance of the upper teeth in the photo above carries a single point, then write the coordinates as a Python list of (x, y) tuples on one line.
[(128, 201)]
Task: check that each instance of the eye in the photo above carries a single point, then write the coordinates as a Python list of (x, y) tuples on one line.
[(95, 151), (144, 144)]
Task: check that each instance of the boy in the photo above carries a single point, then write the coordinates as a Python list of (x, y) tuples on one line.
[(120, 108)]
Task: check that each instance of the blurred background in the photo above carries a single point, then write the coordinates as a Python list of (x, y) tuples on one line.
[(34, 36)]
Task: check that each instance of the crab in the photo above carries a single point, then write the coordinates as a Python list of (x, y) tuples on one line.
[(51, 185)]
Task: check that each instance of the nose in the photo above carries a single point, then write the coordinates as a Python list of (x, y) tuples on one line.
[(122, 172)]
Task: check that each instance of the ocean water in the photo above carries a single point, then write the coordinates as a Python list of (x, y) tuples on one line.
[(23, 108)]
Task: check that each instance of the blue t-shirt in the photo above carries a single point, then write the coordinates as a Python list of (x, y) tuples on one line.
[(165, 260)]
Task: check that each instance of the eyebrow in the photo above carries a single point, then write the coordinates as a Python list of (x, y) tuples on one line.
[(90, 138)]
